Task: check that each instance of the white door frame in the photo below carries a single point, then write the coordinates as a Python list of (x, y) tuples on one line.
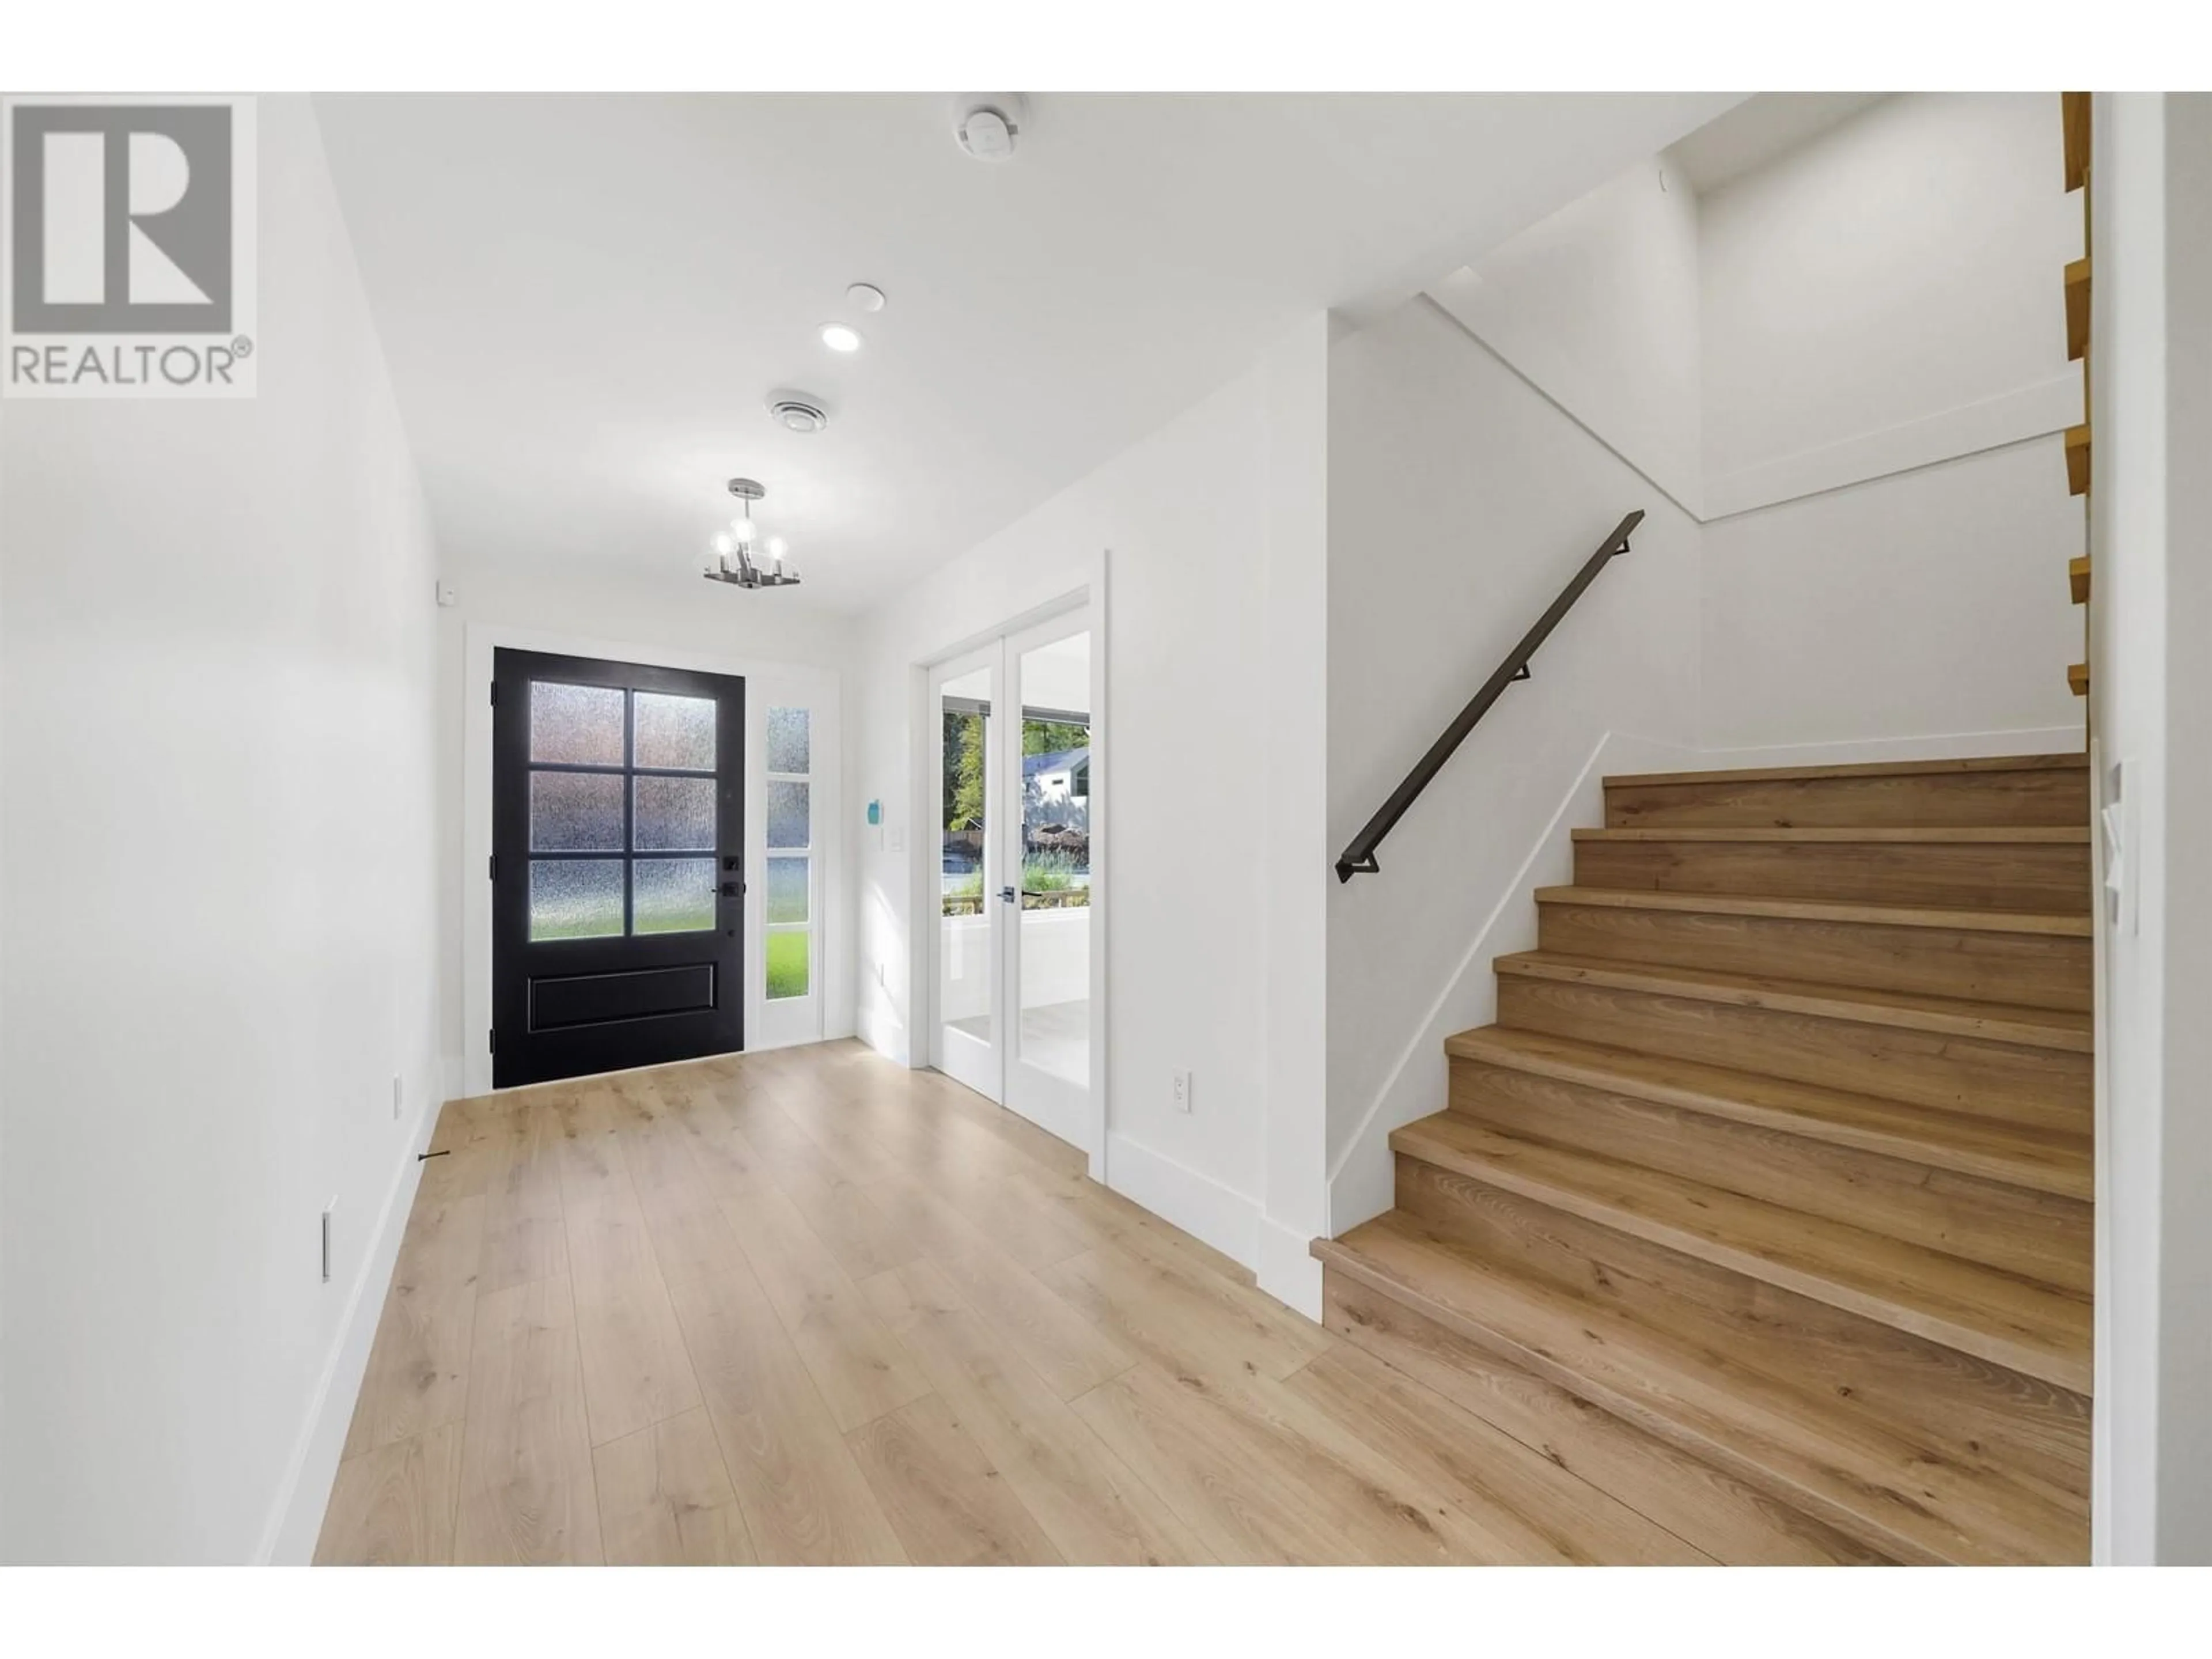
[(925, 872), (766, 681)]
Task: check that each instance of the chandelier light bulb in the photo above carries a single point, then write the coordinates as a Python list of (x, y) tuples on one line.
[(742, 530), (777, 547), (724, 545)]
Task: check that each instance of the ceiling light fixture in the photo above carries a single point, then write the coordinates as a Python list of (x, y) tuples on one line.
[(734, 559), (840, 337), (865, 296)]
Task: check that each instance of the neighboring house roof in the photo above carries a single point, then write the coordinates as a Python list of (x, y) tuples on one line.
[(1043, 765)]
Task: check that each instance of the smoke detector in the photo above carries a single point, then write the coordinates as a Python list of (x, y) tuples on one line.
[(987, 124), (794, 411)]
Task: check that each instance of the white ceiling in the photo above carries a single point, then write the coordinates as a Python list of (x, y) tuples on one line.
[(1759, 131), (585, 300)]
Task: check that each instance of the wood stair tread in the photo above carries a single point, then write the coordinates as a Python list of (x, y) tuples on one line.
[(2057, 834), (1748, 904), (1855, 769), (2039, 1028), (2013, 1321), (2044, 1160), (1880, 1483)]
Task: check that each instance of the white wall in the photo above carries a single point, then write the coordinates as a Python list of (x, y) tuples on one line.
[(220, 890), (1598, 305), (1184, 515), (676, 613), (1896, 267), (1461, 501), (2151, 687), (1927, 604), (1884, 382)]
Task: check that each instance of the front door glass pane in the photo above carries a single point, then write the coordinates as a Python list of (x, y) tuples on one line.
[(671, 896), (675, 732), (575, 725), (674, 814), (575, 898), (575, 813)]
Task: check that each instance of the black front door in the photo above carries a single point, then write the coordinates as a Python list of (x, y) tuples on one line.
[(617, 869)]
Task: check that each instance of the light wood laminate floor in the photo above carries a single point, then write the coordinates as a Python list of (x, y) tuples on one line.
[(810, 1306)]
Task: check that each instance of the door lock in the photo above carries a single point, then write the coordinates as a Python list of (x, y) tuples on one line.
[(1006, 894), (733, 889)]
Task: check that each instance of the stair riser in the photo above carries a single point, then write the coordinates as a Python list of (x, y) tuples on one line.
[(1736, 1523), (2032, 1234), (2048, 798), (2031, 970), (2051, 876), (2009, 1081), (1988, 1416)]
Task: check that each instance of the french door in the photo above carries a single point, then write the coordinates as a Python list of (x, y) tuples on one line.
[(1013, 992), (617, 865)]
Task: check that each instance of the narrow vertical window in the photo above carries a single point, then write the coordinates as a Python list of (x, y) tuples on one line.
[(790, 908)]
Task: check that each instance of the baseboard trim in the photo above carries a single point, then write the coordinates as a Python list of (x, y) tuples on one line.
[(1202, 1207), (1286, 1269), (1944, 745), (295, 1519)]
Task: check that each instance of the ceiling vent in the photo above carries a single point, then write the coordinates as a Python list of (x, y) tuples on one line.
[(796, 412)]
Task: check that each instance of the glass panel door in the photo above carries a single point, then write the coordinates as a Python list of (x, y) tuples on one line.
[(1048, 852), (969, 773)]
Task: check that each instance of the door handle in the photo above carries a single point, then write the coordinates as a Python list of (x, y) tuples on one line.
[(1006, 894), (733, 889)]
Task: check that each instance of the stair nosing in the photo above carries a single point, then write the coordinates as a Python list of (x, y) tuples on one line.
[(2019, 1352), (1931, 834), (1648, 1410), (1975, 767), (2055, 924), (1850, 1005), (1597, 1070)]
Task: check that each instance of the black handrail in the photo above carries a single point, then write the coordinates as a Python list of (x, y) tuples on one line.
[(1359, 858)]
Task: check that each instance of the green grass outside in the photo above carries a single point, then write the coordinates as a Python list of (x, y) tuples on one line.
[(787, 965)]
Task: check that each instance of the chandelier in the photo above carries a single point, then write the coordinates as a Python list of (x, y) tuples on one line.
[(734, 548)]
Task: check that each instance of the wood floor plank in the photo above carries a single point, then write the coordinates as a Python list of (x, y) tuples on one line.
[(945, 1498), (805, 1500), (1185, 1320), (523, 1236), (1085, 1499), (392, 1506), (666, 1499), (1544, 1514), (527, 1492), (636, 1369), (417, 1373), (1066, 1349), (859, 1366), (1715, 1513)]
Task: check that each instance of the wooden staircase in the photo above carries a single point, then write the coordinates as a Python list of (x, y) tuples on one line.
[(1765, 1205)]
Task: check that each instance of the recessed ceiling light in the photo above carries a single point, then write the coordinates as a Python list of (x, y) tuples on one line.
[(865, 296), (840, 337)]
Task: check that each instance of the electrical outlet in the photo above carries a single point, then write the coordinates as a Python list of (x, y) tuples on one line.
[(1183, 1091), (399, 1094), (329, 1209)]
